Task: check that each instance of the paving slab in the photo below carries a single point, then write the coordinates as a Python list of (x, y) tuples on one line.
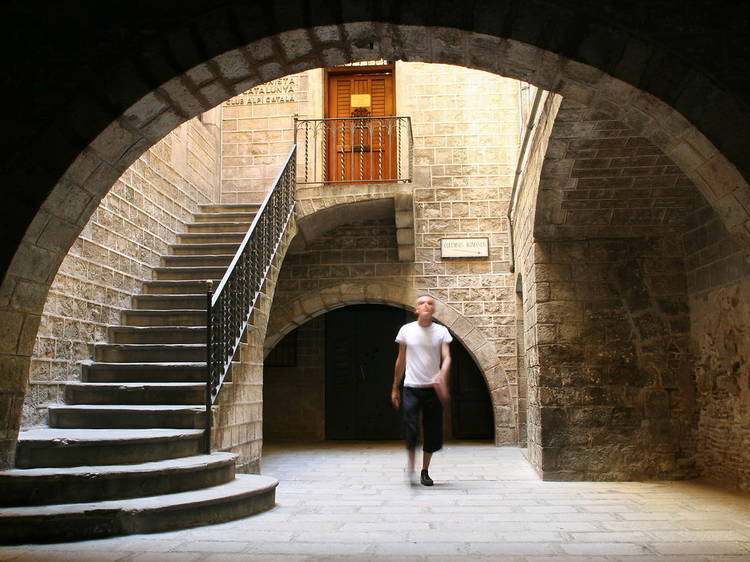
[(348, 500)]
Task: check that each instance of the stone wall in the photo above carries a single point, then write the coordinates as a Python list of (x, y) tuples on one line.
[(466, 129), (523, 213), (721, 340), (611, 389), (364, 250), (718, 278), (466, 133), (258, 132), (616, 393), (133, 226), (238, 412), (294, 395)]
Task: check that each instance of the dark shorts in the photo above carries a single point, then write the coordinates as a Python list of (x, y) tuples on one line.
[(426, 402)]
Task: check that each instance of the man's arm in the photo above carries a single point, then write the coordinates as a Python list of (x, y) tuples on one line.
[(440, 380), (398, 375)]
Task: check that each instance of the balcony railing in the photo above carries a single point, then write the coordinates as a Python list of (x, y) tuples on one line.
[(354, 150), (230, 307)]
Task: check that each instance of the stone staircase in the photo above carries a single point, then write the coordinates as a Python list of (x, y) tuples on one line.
[(124, 454)]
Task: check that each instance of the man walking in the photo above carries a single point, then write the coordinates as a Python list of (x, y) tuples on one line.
[(424, 357)]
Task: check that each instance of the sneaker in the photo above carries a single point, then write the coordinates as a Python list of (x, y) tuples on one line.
[(425, 479)]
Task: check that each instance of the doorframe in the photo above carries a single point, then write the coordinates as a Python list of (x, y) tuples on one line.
[(389, 68)]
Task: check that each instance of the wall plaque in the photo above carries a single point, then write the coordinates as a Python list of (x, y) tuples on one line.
[(464, 247)]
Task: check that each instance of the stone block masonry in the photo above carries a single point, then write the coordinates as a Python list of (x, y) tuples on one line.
[(258, 132), (718, 281), (466, 136), (466, 127), (238, 413), (636, 360), (523, 212), (133, 226), (615, 389), (611, 393), (721, 347), (294, 396)]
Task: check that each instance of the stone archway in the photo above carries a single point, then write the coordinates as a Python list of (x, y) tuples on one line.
[(287, 316), (143, 115)]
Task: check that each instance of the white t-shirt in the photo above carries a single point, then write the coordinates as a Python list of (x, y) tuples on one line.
[(423, 347)]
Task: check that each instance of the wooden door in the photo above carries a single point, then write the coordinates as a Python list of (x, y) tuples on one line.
[(361, 146), (360, 356)]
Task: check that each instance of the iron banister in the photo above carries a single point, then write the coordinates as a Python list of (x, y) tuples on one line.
[(229, 308), (357, 149)]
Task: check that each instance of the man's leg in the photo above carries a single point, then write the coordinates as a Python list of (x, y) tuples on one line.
[(410, 406), (410, 459), (432, 422), (426, 458)]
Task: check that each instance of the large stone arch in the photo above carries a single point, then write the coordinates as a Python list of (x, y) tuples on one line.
[(289, 315), (184, 70)]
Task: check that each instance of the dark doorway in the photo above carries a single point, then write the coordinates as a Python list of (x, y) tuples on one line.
[(470, 403), (360, 354)]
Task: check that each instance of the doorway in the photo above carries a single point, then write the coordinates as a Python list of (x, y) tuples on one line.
[(331, 378), (471, 406), (360, 353), (361, 130)]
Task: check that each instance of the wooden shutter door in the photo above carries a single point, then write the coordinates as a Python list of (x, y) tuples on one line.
[(361, 147)]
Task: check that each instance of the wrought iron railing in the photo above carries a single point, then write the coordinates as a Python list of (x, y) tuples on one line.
[(355, 149), (229, 308)]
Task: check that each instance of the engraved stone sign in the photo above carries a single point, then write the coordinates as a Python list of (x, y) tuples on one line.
[(464, 247), (281, 90)]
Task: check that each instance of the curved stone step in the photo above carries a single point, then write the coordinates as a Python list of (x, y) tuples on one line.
[(211, 237), (134, 393), (124, 416), (193, 273), (203, 249), (144, 372), (157, 334), (245, 495), (75, 447), (175, 286), (196, 260), (164, 317), (149, 352), (78, 484), (170, 301), (219, 226)]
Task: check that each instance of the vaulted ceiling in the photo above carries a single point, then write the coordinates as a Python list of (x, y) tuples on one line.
[(599, 179)]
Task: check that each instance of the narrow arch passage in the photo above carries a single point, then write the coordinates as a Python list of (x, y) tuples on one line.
[(330, 379)]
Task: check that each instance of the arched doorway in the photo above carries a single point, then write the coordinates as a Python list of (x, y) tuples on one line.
[(581, 75), (359, 358), (331, 377), (471, 407)]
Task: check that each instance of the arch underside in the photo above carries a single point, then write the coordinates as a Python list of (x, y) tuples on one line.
[(91, 142), (289, 315)]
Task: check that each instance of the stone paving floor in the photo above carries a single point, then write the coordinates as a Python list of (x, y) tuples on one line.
[(349, 500)]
